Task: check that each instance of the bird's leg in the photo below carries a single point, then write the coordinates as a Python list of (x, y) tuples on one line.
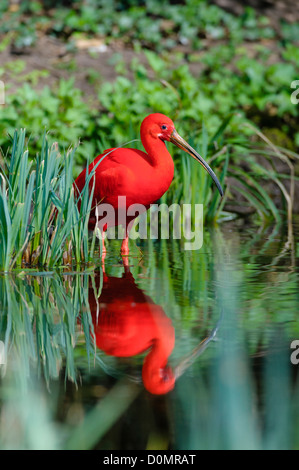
[(103, 245), (125, 246), (103, 252), (125, 250)]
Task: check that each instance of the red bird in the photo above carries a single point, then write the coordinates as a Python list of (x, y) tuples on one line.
[(141, 177), (127, 323)]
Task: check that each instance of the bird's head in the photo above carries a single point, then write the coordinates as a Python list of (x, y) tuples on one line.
[(157, 380), (159, 126)]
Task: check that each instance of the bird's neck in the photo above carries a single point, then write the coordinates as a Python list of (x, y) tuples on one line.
[(156, 374), (158, 155)]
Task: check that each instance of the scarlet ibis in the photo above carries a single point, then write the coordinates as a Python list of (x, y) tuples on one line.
[(141, 177), (127, 323)]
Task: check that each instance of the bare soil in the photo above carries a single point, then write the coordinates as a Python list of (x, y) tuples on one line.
[(53, 55)]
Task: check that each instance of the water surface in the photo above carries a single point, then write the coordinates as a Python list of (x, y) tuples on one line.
[(180, 350)]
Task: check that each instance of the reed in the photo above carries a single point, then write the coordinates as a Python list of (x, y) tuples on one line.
[(40, 222), (42, 225)]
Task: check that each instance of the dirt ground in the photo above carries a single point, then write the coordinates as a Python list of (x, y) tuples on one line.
[(52, 54), (275, 10)]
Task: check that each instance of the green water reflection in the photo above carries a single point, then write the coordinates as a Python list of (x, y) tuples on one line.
[(183, 350)]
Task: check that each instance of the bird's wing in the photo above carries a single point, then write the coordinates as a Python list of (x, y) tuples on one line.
[(99, 164), (113, 182)]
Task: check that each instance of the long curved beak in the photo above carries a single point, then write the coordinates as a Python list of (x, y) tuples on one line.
[(176, 139)]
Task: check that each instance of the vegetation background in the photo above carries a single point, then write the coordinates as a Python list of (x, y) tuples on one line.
[(88, 71)]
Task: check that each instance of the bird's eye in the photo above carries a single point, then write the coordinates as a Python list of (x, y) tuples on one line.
[(163, 127)]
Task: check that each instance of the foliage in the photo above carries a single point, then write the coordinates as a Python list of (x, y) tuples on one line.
[(62, 111), (42, 225), (225, 80), (213, 108), (39, 217), (212, 120), (183, 22), (247, 90), (237, 74), (209, 118)]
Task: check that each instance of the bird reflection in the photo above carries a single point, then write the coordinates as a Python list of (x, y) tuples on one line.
[(127, 322)]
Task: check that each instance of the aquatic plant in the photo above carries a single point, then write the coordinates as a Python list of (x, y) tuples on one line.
[(40, 222)]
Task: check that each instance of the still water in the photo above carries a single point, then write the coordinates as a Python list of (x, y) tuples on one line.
[(180, 350)]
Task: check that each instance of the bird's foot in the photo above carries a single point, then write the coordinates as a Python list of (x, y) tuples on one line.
[(103, 252), (124, 251), (126, 264), (125, 247)]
